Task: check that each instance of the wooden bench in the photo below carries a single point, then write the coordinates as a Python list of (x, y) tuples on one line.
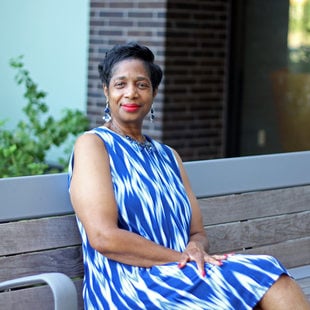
[(255, 204)]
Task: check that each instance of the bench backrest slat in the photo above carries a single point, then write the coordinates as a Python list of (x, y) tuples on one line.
[(237, 236), (34, 196), (243, 174), (291, 253), (66, 260), (253, 205), (38, 235), (208, 178)]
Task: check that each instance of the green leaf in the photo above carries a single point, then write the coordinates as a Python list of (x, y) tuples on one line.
[(23, 150)]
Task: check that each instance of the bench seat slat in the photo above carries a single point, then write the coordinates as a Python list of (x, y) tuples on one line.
[(305, 286), (301, 272)]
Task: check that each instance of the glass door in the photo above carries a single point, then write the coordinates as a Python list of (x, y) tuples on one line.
[(270, 77)]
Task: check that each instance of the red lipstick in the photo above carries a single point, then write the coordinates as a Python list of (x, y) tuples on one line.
[(130, 107)]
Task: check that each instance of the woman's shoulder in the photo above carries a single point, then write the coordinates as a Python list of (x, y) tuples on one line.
[(87, 140), (98, 130), (102, 132)]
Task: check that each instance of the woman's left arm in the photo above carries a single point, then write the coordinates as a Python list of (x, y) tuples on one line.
[(198, 246)]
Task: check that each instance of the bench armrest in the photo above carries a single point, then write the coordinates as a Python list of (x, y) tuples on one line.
[(64, 291)]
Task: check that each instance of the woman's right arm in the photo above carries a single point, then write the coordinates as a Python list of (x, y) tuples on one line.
[(93, 200)]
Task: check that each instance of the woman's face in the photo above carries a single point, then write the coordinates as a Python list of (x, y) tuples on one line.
[(130, 92)]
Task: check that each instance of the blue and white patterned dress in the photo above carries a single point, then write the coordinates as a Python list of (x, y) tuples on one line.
[(152, 203)]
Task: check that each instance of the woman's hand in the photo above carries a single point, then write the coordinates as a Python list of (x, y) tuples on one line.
[(195, 252)]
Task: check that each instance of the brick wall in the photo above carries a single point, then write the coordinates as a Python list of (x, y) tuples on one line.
[(115, 22), (196, 53), (189, 39)]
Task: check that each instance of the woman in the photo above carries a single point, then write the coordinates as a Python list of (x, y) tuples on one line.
[(144, 244)]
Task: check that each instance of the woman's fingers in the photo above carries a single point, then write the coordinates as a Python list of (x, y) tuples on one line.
[(217, 259), (197, 257), (214, 259), (201, 258), (183, 260)]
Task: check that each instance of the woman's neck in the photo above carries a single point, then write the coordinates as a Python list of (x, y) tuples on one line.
[(134, 134)]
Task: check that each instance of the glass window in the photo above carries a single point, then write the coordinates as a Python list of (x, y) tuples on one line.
[(273, 78)]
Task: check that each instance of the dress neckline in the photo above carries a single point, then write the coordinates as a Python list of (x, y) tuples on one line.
[(145, 145)]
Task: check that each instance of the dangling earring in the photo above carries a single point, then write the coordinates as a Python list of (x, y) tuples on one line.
[(152, 116), (107, 115)]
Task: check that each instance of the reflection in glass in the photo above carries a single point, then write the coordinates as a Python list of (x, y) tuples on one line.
[(292, 86)]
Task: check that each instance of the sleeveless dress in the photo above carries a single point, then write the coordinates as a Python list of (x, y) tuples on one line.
[(152, 202)]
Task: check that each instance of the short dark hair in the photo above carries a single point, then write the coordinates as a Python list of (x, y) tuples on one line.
[(130, 50)]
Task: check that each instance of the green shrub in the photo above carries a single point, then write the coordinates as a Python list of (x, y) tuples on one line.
[(23, 150)]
